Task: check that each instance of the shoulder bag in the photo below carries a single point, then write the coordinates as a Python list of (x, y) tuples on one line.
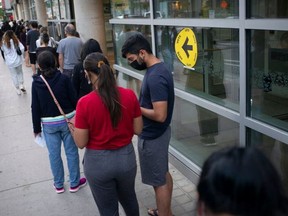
[(18, 50), (70, 122)]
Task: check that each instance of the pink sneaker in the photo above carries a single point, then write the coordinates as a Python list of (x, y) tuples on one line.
[(59, 190), (82, 183)]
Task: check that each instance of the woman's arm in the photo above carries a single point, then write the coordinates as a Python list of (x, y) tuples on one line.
[(81, 137), (137, 125)]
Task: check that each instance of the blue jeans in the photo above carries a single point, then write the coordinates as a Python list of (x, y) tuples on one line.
[(54, 135)]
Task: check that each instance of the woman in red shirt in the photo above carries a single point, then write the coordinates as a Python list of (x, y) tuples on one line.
[(106, 120)]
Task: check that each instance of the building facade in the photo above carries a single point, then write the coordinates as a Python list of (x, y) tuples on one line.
[(231, 74)]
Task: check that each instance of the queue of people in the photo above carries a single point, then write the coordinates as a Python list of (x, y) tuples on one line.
[(233, 181)]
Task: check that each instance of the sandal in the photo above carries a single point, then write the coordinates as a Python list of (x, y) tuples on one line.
[(152, 212)]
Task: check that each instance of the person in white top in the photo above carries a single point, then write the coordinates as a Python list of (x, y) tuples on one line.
[(13, 60), (52, 42)]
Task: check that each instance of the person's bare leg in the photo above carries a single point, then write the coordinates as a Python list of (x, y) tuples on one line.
[(164, 196), (27, 60), (33, 66)]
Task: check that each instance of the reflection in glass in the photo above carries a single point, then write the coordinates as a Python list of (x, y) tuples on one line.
[(268, 74), (267, 9), (32, 9), (196, 132), (130, 9), (58, 9), (197, 9), (64, 9), (49, 9), (130, 83), (216, 73), (122, 33), (55, 9), (274, 149), (54, 30)]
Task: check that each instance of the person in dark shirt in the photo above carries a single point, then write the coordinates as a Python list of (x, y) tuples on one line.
[(32, 36), (45, 113), (81, 85), (22, 38), (156, 101)]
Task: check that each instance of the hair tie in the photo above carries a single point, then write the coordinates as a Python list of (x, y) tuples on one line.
[(100, 63)]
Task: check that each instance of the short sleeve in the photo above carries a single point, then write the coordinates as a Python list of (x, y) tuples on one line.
[(60, 47), (81, 120), (158, 86)]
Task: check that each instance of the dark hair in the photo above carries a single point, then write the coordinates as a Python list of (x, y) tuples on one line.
[(134, 44), (1, 34), (90, 46), (39, 27), (43, 29), (44, 38), (241, 181), (98, 64), (21, 27), (46, 62), (34, 24), (76, 34)]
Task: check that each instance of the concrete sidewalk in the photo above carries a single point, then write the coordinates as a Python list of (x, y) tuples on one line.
[(25, 176)]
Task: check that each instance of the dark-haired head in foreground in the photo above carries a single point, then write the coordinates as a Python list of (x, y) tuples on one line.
[(47, 63), (240, 181)]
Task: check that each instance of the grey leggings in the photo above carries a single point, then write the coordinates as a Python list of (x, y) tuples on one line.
[(111, 177)]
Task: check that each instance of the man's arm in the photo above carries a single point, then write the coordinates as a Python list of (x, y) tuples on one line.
[(158, 113), (61, 61)]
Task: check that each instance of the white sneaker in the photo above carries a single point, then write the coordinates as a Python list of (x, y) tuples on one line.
[(22, 88), (18, 91)]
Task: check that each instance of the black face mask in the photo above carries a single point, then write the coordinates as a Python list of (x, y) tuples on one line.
[(135, 64)]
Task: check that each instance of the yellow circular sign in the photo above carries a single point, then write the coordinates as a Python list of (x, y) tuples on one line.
[(186, 47)]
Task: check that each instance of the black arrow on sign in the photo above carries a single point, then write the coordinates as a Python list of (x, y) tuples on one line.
[(187, 47)]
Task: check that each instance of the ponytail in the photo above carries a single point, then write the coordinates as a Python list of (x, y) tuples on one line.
[(107, 87)]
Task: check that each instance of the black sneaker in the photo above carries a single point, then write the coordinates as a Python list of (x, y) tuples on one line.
[(22, 88)]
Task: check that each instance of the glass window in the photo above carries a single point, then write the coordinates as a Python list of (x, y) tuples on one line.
[(130, 8), (127, 81), (268, 76), (49, 9), (216, 73), (64, 9), (275, 150), (32, 10), (196, 132), (197, 9), (267, 9), (55, 10), (54, 30), (123, 32)]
